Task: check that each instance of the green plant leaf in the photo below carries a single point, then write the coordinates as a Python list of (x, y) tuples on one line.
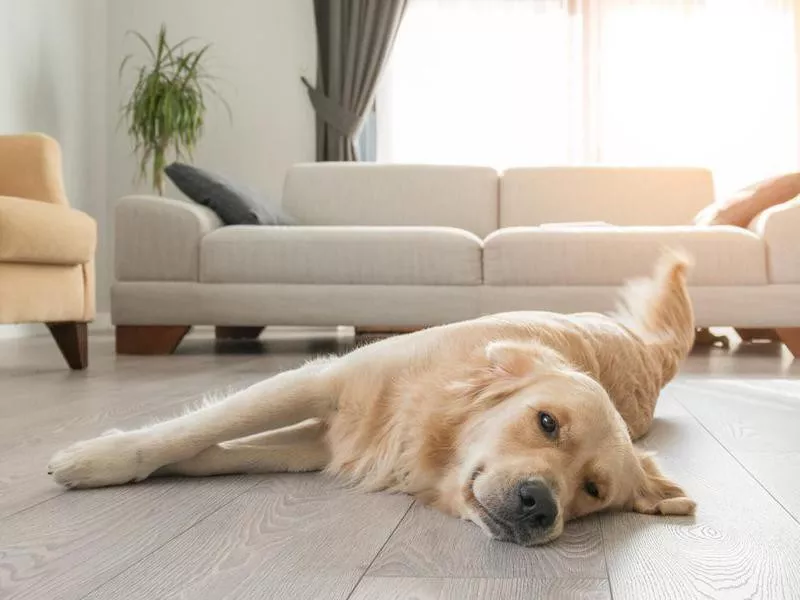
[(165, 110), (144, 41), (123, 64)]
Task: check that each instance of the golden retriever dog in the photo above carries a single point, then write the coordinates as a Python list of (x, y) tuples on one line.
[(518, 422)]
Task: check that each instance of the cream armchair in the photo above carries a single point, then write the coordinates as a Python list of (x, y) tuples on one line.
[(46, 248)]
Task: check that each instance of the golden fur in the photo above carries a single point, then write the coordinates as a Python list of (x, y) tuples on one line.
[(452, 415)]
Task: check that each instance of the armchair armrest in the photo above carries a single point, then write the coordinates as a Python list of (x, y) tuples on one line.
[(30, 167), (779, 227), (158, 239), (36, 232)]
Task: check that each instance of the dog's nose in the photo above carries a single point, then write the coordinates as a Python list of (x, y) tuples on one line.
[(537, 503)]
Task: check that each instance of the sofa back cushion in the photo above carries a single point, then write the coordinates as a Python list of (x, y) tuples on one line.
[(379, 194), (615, 195)]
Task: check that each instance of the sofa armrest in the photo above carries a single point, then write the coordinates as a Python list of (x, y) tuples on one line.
[(37, 232), (779, 227), (158, 239)]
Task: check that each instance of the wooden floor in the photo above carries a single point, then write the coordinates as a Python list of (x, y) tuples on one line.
[(728, 430)]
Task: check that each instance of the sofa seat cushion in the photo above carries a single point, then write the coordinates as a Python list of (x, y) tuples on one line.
[(520, 256), (341, 255), (44, 233)]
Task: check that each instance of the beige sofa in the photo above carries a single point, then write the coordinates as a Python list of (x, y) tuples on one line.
[(405, 246)]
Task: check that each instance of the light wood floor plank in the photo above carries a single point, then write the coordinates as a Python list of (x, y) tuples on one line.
[(410, 588), (741, 544), (430, 544), (296, 536), (758, 421), (65, 547)]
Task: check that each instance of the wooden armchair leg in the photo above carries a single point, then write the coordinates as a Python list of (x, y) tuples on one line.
[(149, 339), (73, 341)]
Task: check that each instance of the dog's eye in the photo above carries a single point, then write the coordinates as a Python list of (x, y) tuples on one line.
[(548, 423), (590, 487)]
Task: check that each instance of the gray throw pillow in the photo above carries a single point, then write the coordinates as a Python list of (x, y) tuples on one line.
[(234, 204)]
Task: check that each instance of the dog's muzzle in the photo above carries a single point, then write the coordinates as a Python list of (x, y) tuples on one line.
[(536, 505), (527, 515)]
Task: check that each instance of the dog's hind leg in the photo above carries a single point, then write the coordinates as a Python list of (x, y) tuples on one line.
[(296, 448), (285, 399), (222, 459), (311, 430)]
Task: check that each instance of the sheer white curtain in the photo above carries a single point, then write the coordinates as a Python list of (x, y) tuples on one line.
[(638, 82)]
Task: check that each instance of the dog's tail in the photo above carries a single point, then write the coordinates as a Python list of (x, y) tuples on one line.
[(658, 309)]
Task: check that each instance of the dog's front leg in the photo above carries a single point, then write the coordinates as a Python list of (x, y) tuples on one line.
[(122, 457)]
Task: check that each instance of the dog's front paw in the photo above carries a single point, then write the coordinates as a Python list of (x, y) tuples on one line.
[(112, 459)]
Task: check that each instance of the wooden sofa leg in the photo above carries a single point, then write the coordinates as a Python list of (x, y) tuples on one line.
[(149, 339), (73, 341), (238, 333), (791, 337)]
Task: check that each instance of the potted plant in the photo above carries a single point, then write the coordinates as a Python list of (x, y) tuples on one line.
[(166, 108)]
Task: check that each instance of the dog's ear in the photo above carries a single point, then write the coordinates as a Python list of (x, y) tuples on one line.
[(507, 366), (512, 358), (654, 494)]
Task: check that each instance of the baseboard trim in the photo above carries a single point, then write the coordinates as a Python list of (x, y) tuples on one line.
[(101, 323), (14, 332)]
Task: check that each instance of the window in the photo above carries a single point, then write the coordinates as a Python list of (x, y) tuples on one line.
[(638, 82)]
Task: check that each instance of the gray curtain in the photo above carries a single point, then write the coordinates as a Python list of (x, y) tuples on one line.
[(354, 40)]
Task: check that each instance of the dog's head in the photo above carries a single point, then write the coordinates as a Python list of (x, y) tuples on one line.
[(553, 449)]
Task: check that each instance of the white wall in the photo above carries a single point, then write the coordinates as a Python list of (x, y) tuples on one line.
[(260, 50), (52, 79), (58, 74)]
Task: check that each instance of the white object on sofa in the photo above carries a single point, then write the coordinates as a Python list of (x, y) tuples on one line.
[(405, 245)]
